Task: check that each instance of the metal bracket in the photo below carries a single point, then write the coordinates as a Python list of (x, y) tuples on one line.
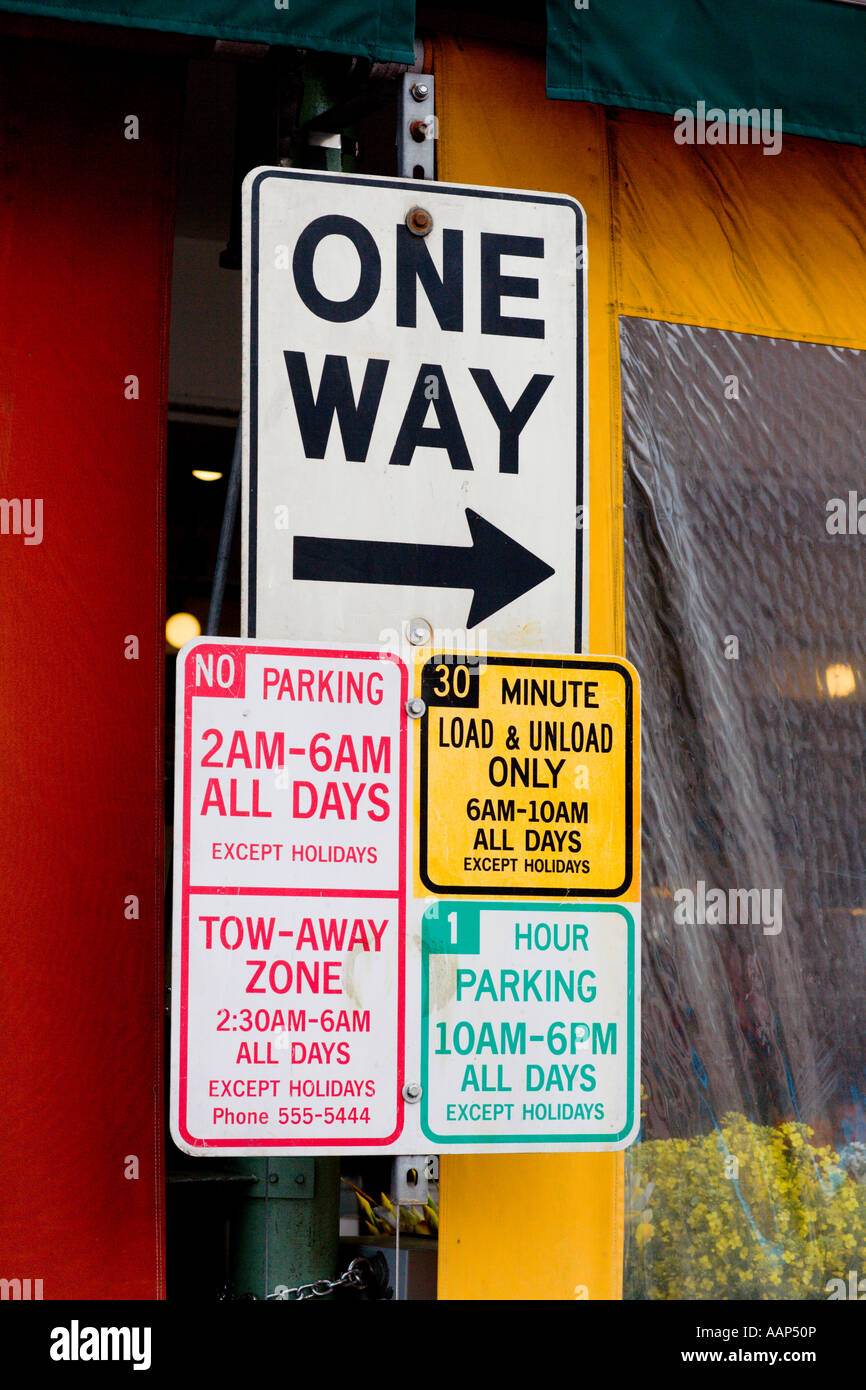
[(278, 1179), (417, 130), (411, 1175)]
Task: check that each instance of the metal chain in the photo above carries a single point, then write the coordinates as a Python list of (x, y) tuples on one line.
[(354, 1277)]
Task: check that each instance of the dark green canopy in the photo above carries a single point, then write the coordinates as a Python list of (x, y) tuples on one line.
[(380, 29), (806, 58)]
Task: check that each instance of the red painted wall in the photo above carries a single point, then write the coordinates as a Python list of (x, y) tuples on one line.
[(85, 259)]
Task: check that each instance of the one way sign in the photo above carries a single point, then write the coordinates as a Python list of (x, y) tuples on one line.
[(414, 413)]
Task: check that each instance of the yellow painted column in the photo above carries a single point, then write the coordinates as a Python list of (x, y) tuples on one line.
[(723, 238), (541, 1226)]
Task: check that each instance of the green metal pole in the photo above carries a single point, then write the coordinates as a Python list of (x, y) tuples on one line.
[(286, 1224)]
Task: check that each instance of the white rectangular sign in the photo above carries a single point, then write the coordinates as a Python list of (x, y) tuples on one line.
[(414, 411), (530, 1019), (290, 883)]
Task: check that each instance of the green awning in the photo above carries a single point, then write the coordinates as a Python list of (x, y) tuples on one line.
[(380, 29), (803, 57)]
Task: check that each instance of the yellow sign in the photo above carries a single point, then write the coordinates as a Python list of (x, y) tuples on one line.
[(528, 775)]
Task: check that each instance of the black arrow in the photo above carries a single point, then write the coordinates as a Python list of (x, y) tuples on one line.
[(495, 567)]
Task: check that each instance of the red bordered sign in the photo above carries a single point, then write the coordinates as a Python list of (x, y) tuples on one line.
[(290, 889)]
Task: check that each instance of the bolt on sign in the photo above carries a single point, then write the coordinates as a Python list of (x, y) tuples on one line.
[(351, 975), (414, 409)]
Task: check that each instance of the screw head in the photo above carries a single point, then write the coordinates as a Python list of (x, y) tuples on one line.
[(420, 91), (419, 221), (300, 1179), (420, 632), (412, 1092), (415, 707)]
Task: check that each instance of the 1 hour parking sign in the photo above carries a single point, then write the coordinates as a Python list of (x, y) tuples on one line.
[(530, 1024)]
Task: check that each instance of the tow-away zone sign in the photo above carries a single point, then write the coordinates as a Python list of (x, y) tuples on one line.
[(290, 879)]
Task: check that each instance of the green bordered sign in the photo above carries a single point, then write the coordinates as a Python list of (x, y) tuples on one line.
[(529, 1025)]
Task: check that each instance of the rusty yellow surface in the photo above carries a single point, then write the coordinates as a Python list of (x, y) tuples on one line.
[(540, 1226), (724, 237)]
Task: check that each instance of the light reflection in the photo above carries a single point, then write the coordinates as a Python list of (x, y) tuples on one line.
[(180, 628), (840, 681)]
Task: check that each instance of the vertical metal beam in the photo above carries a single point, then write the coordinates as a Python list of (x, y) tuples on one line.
[(285, 1226), (227, 531), (416, 126)]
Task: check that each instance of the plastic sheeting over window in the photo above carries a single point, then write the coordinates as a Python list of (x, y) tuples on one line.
[(380, 29), (746, 592), (804, 57)]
